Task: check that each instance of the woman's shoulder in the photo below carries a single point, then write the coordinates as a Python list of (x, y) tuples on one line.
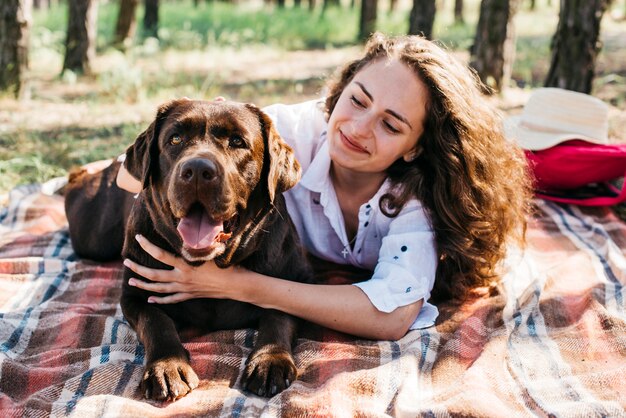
[(300, 125), (297, 119)]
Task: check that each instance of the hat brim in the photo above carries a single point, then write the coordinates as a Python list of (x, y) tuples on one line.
[(533, 140)]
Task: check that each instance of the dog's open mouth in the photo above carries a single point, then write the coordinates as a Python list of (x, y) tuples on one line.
[(199, 231)]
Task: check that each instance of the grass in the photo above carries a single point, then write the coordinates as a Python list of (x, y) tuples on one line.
[(219, 49), (33, 157)]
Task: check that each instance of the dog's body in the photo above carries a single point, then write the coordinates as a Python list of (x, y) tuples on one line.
[(97, 211), (213, 174)]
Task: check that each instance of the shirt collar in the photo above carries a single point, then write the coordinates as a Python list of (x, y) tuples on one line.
[(317, 174)]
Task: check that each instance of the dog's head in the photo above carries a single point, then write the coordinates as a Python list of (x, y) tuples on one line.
[(211, 166)]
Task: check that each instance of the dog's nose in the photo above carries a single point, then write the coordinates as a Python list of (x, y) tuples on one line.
[(199, 170)]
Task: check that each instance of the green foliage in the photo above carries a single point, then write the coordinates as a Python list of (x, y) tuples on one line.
[(183, 26)]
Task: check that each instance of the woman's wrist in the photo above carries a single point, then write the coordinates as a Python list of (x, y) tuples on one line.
[(236, 286)]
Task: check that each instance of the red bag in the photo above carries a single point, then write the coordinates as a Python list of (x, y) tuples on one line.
[(575, 164)]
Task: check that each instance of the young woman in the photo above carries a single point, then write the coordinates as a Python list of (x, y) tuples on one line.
[(406, 173)]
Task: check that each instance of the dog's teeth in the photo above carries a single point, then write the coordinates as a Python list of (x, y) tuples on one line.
[(274, 390), (287, 382)]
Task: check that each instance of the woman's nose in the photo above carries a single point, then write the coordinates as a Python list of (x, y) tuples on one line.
[(362, 125)]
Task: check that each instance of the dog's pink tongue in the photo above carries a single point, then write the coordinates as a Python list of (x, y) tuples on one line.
[(197, 230)]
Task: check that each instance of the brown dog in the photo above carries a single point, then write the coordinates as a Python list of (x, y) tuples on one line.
[(97, 211), (212, 174)]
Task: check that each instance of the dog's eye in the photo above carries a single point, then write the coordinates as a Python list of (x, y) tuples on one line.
[(175, 140), (236, 141)]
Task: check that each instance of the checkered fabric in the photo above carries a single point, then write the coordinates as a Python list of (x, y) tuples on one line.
[(551, 343)]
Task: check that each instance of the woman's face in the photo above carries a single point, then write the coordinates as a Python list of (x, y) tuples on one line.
[(378, 118)]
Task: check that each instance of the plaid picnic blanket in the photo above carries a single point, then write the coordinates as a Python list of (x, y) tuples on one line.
[(552, 343)]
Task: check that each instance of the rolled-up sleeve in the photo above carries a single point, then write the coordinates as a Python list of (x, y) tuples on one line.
[(407, 263)]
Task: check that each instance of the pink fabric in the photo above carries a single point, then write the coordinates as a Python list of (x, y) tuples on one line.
[(574, 164)]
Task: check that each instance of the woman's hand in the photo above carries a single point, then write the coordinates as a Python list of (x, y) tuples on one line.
[(184, 282)]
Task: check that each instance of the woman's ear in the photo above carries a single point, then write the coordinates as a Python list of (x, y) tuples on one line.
[(413, 154)]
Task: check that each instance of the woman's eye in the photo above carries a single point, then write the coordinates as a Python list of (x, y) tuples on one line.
[(175, 140), (390, 127), (356, 101), (236, 142)]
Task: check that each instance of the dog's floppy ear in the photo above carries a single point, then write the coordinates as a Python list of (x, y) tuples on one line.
[(284, 170), (142, 157)]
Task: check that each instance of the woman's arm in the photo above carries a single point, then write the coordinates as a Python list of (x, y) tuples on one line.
[(343, 308), (126, 181)]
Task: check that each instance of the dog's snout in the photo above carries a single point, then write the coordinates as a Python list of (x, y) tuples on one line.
[(198, 170)]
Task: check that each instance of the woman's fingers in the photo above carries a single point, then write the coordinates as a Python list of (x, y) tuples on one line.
[(157, 252), (148, 273), (175, 298), (161, 288), (167, 287)]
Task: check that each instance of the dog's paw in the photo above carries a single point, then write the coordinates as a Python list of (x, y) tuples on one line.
[(168, 379), (269, 370)]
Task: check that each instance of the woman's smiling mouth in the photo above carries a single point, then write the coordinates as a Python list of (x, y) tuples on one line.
[(352, 145)]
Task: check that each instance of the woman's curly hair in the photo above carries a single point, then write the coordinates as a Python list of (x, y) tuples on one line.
[(473, 183)]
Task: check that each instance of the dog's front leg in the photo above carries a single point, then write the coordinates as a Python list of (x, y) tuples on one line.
[(270, 367), (168, 374)]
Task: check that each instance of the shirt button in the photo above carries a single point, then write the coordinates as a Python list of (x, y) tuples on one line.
[(316, 201)]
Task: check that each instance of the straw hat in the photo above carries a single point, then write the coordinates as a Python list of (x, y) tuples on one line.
[(554, 115)]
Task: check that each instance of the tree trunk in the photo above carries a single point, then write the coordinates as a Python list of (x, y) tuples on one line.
[(80, 43), (126, 23), (41, 4), (393, 6), (575, 45), (422, 18), (151, 18), (493, 51), (367, 24), (330, 3), (533, 5), (15, 21), (458, 12)]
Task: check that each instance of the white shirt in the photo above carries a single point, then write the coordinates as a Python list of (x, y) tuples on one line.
[(399, 250)]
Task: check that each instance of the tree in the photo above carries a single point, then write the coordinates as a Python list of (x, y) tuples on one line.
[(80, 43), (575, 45), (15, 19), (422, 18), (151, 18), (458, 11), (367, 24), (330, 3), (126, 22), (41, 4), (494, 44)]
